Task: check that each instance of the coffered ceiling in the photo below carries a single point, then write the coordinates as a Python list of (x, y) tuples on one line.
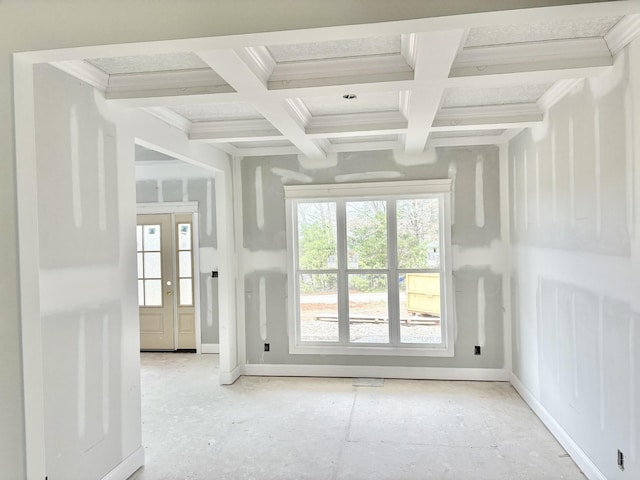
[(407, 91)]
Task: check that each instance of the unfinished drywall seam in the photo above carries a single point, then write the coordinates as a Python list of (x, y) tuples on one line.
[(525, 190), (574, 344), (106, 370), (572, 175), (598, 168), (262, 311), (82, 377), (209, 208), (74, 147), (556, 323), (259, 198), (601, 388), (479, 191), (632, 383), (629, 134), (537, 166), (102, 201), (515, 193), (482, 328), (554, 180)]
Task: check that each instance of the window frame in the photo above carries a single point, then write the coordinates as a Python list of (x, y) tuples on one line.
[(341, 193)]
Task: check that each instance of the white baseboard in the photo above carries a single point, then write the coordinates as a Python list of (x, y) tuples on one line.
[(127, 467), (210, 348), (577, 454), (227, 378), (413, 373)]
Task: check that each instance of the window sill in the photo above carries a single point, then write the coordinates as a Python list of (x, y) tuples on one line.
[(426, 351)]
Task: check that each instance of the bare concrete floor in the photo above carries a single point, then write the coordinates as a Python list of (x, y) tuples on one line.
[(327, 428)]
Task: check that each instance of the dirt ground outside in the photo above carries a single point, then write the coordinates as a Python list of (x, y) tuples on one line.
[(368, 313)]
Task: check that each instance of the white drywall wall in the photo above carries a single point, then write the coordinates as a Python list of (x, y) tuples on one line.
[(575, 229), (88, 307)]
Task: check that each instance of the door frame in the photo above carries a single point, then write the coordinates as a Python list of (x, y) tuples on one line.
[(172, 208)]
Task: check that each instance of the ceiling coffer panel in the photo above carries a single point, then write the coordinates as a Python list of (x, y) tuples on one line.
[(217, 111), (473, 97), (363, 103), (149, 63), (538, 32), (335, 49)]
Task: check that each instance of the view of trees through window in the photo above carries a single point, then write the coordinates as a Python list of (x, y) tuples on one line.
[(369, 263)]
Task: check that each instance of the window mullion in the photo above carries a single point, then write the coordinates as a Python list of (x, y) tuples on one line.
[(343, 281), (392, 283)]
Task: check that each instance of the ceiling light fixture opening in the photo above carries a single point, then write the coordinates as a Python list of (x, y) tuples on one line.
[(349, 96)]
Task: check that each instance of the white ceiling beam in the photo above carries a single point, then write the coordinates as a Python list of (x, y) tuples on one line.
[(433, 54), (234, 67), (487, 117)]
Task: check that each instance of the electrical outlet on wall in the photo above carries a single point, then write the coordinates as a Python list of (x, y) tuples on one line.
[(266, 347), (476, 350), (620, 460)]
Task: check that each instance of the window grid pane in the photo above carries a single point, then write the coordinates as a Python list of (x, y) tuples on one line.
[(151, 238), (420, 308), (186, 292), (318, 307), (184, 236), (368, 309), (418, 230), (317, 236)]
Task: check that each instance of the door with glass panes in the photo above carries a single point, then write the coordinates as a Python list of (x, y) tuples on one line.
[(165, 282)]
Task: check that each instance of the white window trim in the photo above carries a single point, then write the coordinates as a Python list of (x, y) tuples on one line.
[(397, 190)]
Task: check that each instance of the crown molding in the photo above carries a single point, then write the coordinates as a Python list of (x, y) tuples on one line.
[(261, 61), (409, 48), (85, 72), (556, 93), (299, 110), (622, 33), (170, 117)]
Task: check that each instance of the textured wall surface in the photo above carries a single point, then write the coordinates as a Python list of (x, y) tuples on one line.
[(475, 241), (574, 207), (201, 190)]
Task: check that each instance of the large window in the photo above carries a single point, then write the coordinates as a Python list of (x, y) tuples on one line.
[(370, 268)]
